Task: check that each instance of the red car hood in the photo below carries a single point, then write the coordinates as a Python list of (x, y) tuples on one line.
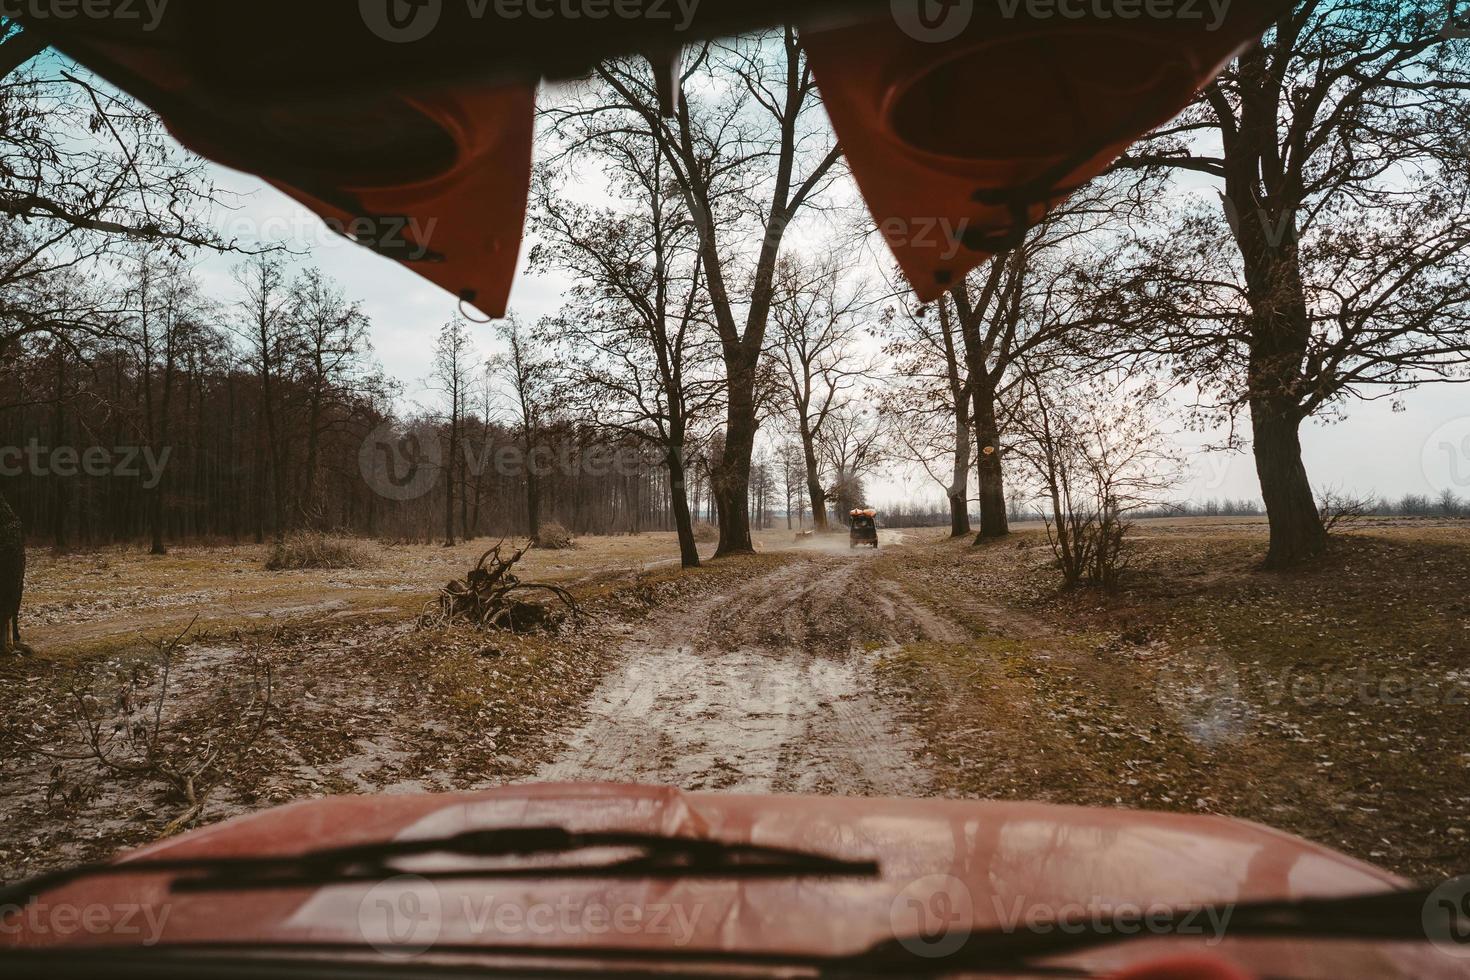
[(947, 865)]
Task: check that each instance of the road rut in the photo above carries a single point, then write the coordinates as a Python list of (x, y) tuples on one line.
[(768, 687)]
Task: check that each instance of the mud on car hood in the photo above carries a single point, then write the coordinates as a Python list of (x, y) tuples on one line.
[(947, 866)]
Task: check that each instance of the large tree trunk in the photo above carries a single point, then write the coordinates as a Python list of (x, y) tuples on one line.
[(679, 499), (959, 488), (814, 489), (959, 390), (993, 520), (1280, 332), (449, 483), (1297, 532), (731, 478), (533, 494)]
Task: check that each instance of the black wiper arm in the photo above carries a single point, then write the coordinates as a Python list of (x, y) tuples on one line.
[(1382, 916), (658, 856)]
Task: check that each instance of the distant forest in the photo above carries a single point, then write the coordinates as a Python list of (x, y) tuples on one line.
[(194, 419)]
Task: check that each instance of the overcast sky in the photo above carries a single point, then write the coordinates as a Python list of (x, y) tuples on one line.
[(1424, 448)]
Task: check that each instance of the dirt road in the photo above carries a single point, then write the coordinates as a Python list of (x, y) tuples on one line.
[(767, 688)]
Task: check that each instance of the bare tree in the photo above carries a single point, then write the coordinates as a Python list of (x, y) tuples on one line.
[(1023, 302), (1095, 448), (270, 348), (12, 578), (926, 401), (636, 349), (852, 449), (793, 479), (164, 313), (484, 408), (333, 343), (84, 173), (817, 368), (1340, 266), (747, 157), (527, 385), (79, 159), (454, 366)]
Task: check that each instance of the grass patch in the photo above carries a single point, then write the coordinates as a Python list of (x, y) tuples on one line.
[(303, 550), (1330, 702), (554, 537)]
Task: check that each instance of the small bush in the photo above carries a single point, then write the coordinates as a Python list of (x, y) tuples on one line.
[(554, 537), (312, 549), (706, 533), (1338, 509), (1415, 505)]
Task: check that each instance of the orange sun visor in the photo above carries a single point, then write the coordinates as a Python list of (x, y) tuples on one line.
[(965, 126)]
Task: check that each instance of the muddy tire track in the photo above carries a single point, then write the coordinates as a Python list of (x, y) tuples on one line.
[(767, 687)]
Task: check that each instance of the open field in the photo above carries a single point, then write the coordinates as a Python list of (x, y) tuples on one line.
[(1331, 703), (93, 600)]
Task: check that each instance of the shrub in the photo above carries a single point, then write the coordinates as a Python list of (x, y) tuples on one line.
[(1415, 505), (312, 549), (554, 537), (1338, 509), (1098, 457), (706, 533)]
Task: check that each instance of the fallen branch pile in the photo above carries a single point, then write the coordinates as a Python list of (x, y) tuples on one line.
[(484, 598), (191, 733)]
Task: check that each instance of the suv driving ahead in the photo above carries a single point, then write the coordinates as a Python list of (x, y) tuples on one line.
[(863, 528)]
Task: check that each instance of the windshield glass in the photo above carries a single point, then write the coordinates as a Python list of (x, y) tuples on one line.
[(889, 437)]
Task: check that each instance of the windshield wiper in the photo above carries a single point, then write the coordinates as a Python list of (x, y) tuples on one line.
[(657, 856), (1379, 916)]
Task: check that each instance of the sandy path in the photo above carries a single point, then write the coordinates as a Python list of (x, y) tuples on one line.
[(767, 688)]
